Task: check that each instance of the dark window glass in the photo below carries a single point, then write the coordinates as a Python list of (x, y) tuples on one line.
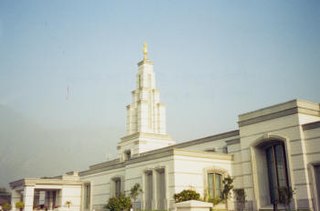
[(277, 169)]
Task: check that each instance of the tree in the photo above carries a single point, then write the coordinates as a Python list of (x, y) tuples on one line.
[(186, 195), (119, 203), (134, 192), (227, 187)]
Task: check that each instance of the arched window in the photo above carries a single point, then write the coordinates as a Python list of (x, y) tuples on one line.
[(277, 168), (215, 186)]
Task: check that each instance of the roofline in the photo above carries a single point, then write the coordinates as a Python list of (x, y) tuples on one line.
[(39, 181), (164, 153), (279, 110)]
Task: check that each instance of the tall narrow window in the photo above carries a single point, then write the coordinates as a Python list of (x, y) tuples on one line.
[(161, 189), (215, 185), (148, 190), (117, 186), (317, 183), (277, 169), (87, 193)]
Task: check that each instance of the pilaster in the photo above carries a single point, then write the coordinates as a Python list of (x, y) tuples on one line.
[(28, 195), (15, 197)]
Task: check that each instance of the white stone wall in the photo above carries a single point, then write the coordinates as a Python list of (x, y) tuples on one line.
[(287, 128)]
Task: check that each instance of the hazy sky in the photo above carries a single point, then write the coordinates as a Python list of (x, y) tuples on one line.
[(67, 69)]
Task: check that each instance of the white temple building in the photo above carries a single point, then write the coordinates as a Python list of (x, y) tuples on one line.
[(277, 146)]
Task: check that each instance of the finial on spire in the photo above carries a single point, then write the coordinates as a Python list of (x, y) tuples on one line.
[(145, 51)]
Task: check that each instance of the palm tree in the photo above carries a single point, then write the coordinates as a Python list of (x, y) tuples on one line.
[(134, 193)]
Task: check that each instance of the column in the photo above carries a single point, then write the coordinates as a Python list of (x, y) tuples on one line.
[(15, 197), (155, 188), (28, 195)]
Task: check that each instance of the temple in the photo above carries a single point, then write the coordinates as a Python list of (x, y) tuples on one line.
[(274, 149)]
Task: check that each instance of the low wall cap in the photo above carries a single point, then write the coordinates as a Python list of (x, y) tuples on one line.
[(194, 203)]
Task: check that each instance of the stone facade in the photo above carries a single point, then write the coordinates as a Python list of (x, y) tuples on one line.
[(274, 147)]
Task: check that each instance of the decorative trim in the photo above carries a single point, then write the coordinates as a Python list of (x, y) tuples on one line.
[(267, 117), (153, 155), (299, 154), (300, 169), (313, 138), (234, 133), (217, 170), (35, 182), (266, 138), (270, 131), (233, 141), (302, 184), (279, 110), (311, 126)]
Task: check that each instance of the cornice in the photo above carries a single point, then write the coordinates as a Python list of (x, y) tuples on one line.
[(267, 117), (233, 141), (154, 155), (144, 135), (311, 126), (39, 181), (202, 154), (278, 111), (231, 134)]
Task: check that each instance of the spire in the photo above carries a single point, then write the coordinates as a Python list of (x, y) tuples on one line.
[(145, 51), (146, 117)]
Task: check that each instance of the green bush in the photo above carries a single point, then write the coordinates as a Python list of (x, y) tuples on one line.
[(20, 205), (119, 203), (215, 200), (6, 206), (186, 195)]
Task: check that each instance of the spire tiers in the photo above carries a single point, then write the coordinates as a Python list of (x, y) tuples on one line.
[(146, 116)]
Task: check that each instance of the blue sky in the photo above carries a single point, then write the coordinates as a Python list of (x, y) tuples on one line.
[(67, 69)]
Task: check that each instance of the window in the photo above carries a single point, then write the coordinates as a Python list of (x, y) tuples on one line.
[(148, 190), (161, 189), (277, 169), (215, 186), (87, 196), (117, 186), (127, 155)]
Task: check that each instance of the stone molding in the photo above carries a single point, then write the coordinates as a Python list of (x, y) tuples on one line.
[(279, 110), (144, 135), (231, 134), (311, 126), (38, 181), (153, 155)]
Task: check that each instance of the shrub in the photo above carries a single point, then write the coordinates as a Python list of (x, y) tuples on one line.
[(216, 200), (186, 195), (6, 206), (119, 203), (20, 205)]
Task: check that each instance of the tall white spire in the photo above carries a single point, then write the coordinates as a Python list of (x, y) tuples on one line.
[(146, 117), (146, 114)]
